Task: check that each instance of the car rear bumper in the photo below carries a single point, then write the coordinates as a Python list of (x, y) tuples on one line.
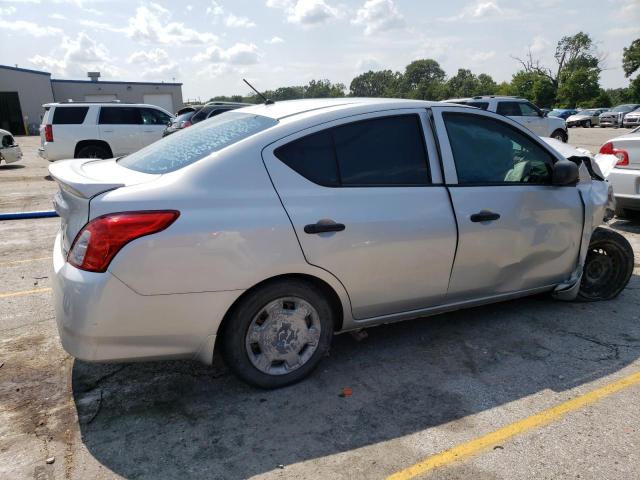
[(100, 319), (626, 187)]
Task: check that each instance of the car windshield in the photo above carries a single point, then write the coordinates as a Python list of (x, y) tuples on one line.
[(557, 112), (623, 108), (192, 144), (587, 112)]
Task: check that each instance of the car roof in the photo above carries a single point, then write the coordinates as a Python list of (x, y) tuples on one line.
[(91, 104), (288, 108)]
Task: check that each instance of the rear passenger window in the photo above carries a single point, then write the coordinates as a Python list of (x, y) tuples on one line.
[(509, 109), (488, 151), (151, 116), (313, 157), (120, 116), (387, 151), (69, 115)]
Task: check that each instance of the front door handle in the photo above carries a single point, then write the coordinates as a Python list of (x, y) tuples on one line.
[(485, 216), (323, 226)]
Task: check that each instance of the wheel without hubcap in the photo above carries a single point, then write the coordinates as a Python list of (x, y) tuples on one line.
[(608, 266)]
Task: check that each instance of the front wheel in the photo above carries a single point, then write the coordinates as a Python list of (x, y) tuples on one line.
[(560, 135), (93, 151), (587, 124), (278, 333), (608, 266)]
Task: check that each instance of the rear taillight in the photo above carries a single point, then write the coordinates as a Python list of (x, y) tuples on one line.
[(186, 124), (48, 133), (621, 155), (102, 238)]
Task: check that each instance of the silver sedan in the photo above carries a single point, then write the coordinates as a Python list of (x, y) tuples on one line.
[(264, 231), (586, 118)]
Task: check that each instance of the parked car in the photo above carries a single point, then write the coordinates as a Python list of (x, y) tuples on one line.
[(99, 130), (632, 119), (585, 118), (9, 150), (625, 177), (183, 120), (265, 230), (522, 111), (563, 113), (208, 110), (615, 116)]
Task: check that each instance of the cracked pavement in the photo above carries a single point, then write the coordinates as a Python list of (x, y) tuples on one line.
[(418, 387)]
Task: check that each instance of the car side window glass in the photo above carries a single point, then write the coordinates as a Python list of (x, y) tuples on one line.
[(383, 151), (509, 109), (201, 114), (488, 151), (69, 115), (528, 110), (151, 116), (388, 151), (313, 157), (120, 116)]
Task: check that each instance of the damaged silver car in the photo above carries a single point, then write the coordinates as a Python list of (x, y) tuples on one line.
[(9, 150), (264, 231)]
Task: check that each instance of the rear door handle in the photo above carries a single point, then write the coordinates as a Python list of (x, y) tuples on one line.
[(323, 226), (485, 216)]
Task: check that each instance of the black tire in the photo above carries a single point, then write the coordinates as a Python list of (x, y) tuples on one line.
[(235, 340), (93, 151), (608, 266), (560, 135), (587, 124)]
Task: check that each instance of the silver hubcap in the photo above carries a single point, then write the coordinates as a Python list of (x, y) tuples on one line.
[(283, 336)]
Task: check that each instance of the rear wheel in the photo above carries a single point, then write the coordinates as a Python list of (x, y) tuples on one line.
[(93, 151), (560, 135), (278, 334), (608, 266), (587, 124)]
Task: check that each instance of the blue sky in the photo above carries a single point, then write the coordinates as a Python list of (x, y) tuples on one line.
[(210, 45)]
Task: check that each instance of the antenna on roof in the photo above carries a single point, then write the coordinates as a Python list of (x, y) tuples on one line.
[(266, 100)]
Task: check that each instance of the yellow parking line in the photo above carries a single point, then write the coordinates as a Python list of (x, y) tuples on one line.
[(24, 292), (16, 262), (482, 443)]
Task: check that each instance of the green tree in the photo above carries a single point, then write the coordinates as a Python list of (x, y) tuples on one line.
[(631, 58), (422, 79), (487, 85), (323, 89), (533, 86), (383, 83), (578, 85), (463, 84)]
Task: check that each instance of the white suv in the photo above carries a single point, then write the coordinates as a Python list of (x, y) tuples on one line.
[(99, 130), (522, 111)]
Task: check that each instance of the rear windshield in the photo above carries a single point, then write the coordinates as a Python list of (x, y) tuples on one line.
[(69, 115), (194, 143)]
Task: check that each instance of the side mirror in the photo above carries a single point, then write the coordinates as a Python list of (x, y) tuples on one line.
[(565, 172)]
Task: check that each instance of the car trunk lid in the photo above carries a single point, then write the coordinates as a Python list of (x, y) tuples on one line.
[(80, 181)]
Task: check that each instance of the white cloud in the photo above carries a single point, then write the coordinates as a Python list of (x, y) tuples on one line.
[(539, 45), (102, 26), (78, 56), (238, 54), (152, 25), (274, 40), (479, 57), (480, 10), (28, 28), (378, 16), (366, 64), (306, 12), (214, 9), (233, 21), (10, 10), (156, 64), (57, 16)]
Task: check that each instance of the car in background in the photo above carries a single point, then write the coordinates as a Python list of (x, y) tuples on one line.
[(183, 120), (520, 110), (264, 231), (9, 150), (632, 119), (615, 116), (625, 176), (99, 130), (208, 110), (585, 118), (562, 113)]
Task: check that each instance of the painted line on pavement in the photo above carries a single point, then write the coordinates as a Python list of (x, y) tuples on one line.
[(25, 292), (484, 442), (16, 262)]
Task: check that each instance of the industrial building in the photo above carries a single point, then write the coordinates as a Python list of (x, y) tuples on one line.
[(24, 91)]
